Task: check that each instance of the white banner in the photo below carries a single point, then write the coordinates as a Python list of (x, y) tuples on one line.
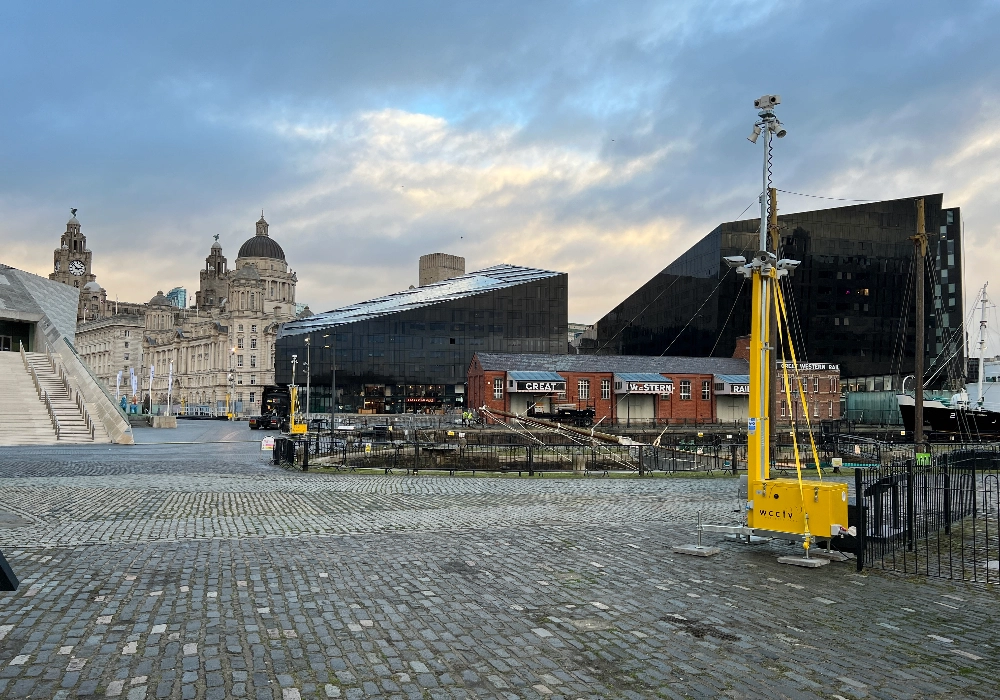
[(150, 389), (118, 387), (132, 381)]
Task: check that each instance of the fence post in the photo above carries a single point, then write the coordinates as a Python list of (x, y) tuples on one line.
[(946, 472), (642, 471), (531, 461), (736, 469), (911, 469), (305, 455), (859, 506)]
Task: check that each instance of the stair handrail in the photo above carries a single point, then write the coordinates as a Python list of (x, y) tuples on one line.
[(65, 381), (82, 406), (24, 358), (52, 414), (34, 378)]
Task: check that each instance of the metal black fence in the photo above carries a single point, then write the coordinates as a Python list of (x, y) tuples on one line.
[(936, 516), (524, 457)]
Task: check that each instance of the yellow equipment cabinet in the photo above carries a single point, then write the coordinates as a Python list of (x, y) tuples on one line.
[(780, 506)]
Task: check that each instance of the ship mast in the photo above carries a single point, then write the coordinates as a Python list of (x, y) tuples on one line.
[(982, 341)]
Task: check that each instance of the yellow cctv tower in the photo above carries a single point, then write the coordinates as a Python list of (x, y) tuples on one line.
[(793, 509)]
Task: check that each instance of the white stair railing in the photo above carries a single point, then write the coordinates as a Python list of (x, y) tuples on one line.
[(86, 414), (52, 414)]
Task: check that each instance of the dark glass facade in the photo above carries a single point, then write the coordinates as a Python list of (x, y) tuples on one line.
[(411, 351), (852, 298)]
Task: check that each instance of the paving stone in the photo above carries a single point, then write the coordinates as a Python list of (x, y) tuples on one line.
[(200, 571)]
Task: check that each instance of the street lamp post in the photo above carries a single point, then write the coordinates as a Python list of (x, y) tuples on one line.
[(333, 380), (295, 361), (231, 388), (308, 374)]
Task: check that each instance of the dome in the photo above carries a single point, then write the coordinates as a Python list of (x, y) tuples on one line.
[(261, 245), (159, 300), (73, 222), (92, 287), (216, 246)]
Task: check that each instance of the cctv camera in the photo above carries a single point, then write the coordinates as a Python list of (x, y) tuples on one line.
[(735, 260), (752, 138), (767, 101), (778, 129)]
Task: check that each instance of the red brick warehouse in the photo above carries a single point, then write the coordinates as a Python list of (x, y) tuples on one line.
[(620, 389)]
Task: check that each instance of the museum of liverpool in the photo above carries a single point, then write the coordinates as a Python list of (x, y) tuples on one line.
[(409, 351), (851, 301)]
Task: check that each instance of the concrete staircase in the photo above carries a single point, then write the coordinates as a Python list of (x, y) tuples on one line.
[(59, 416), (24, 420)]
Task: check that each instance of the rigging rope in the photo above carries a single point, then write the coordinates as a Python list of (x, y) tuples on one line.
[(780, 304)]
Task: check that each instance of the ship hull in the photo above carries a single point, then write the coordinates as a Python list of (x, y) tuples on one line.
[(939, 418)]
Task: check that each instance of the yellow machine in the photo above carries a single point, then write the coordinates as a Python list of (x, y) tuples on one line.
[(798, 507), (794, 509), (293, 427)]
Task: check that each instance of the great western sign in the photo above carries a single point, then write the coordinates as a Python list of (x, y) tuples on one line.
[(739, 388), (649, 387), (539, 387)]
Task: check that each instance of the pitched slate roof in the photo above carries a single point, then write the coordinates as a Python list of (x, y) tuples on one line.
[(618, 364)]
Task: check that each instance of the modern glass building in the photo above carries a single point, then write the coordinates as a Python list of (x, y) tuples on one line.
[(409, 351), (852, 298)]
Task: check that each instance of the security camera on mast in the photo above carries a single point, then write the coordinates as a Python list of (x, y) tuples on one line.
[(798, 510)]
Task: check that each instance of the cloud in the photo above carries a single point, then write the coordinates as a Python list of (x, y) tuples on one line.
[(601, 139)]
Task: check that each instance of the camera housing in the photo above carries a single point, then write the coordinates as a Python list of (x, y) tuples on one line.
[(767, 101)]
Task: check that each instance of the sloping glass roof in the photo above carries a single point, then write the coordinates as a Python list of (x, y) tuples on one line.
[(535, 377), (487, 280)]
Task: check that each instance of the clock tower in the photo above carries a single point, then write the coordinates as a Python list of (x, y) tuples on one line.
[(71, 263)]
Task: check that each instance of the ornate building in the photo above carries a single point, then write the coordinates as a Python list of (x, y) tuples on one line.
[(222, 349), (71, 265)]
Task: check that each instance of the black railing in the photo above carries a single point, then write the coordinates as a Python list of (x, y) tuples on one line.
[(937, 516), (524, 455)]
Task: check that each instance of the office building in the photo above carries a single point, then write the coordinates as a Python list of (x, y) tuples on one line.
[(851, 301), (178, 297), (409, 351)]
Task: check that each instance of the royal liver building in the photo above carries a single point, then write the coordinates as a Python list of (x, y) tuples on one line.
[(223, 348)]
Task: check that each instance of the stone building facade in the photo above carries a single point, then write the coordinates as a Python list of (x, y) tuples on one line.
[(71, 265), (111, 345), (222, 350)]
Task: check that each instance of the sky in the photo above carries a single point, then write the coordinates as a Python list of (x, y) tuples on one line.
[(599, 139)]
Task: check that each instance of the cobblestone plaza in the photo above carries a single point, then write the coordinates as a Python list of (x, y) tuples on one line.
[(198, 570)]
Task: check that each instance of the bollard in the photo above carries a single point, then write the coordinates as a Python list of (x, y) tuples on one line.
[(305, 456)]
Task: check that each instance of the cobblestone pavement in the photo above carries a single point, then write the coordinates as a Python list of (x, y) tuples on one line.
[(200, 571)]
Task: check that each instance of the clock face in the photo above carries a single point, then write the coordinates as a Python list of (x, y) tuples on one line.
[(76, 268)]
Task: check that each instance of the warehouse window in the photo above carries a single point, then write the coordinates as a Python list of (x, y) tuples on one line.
[(583, 389), (782, 409), (685, 390), (605, 389), (706, 391), (498, 388), (831, 409)]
